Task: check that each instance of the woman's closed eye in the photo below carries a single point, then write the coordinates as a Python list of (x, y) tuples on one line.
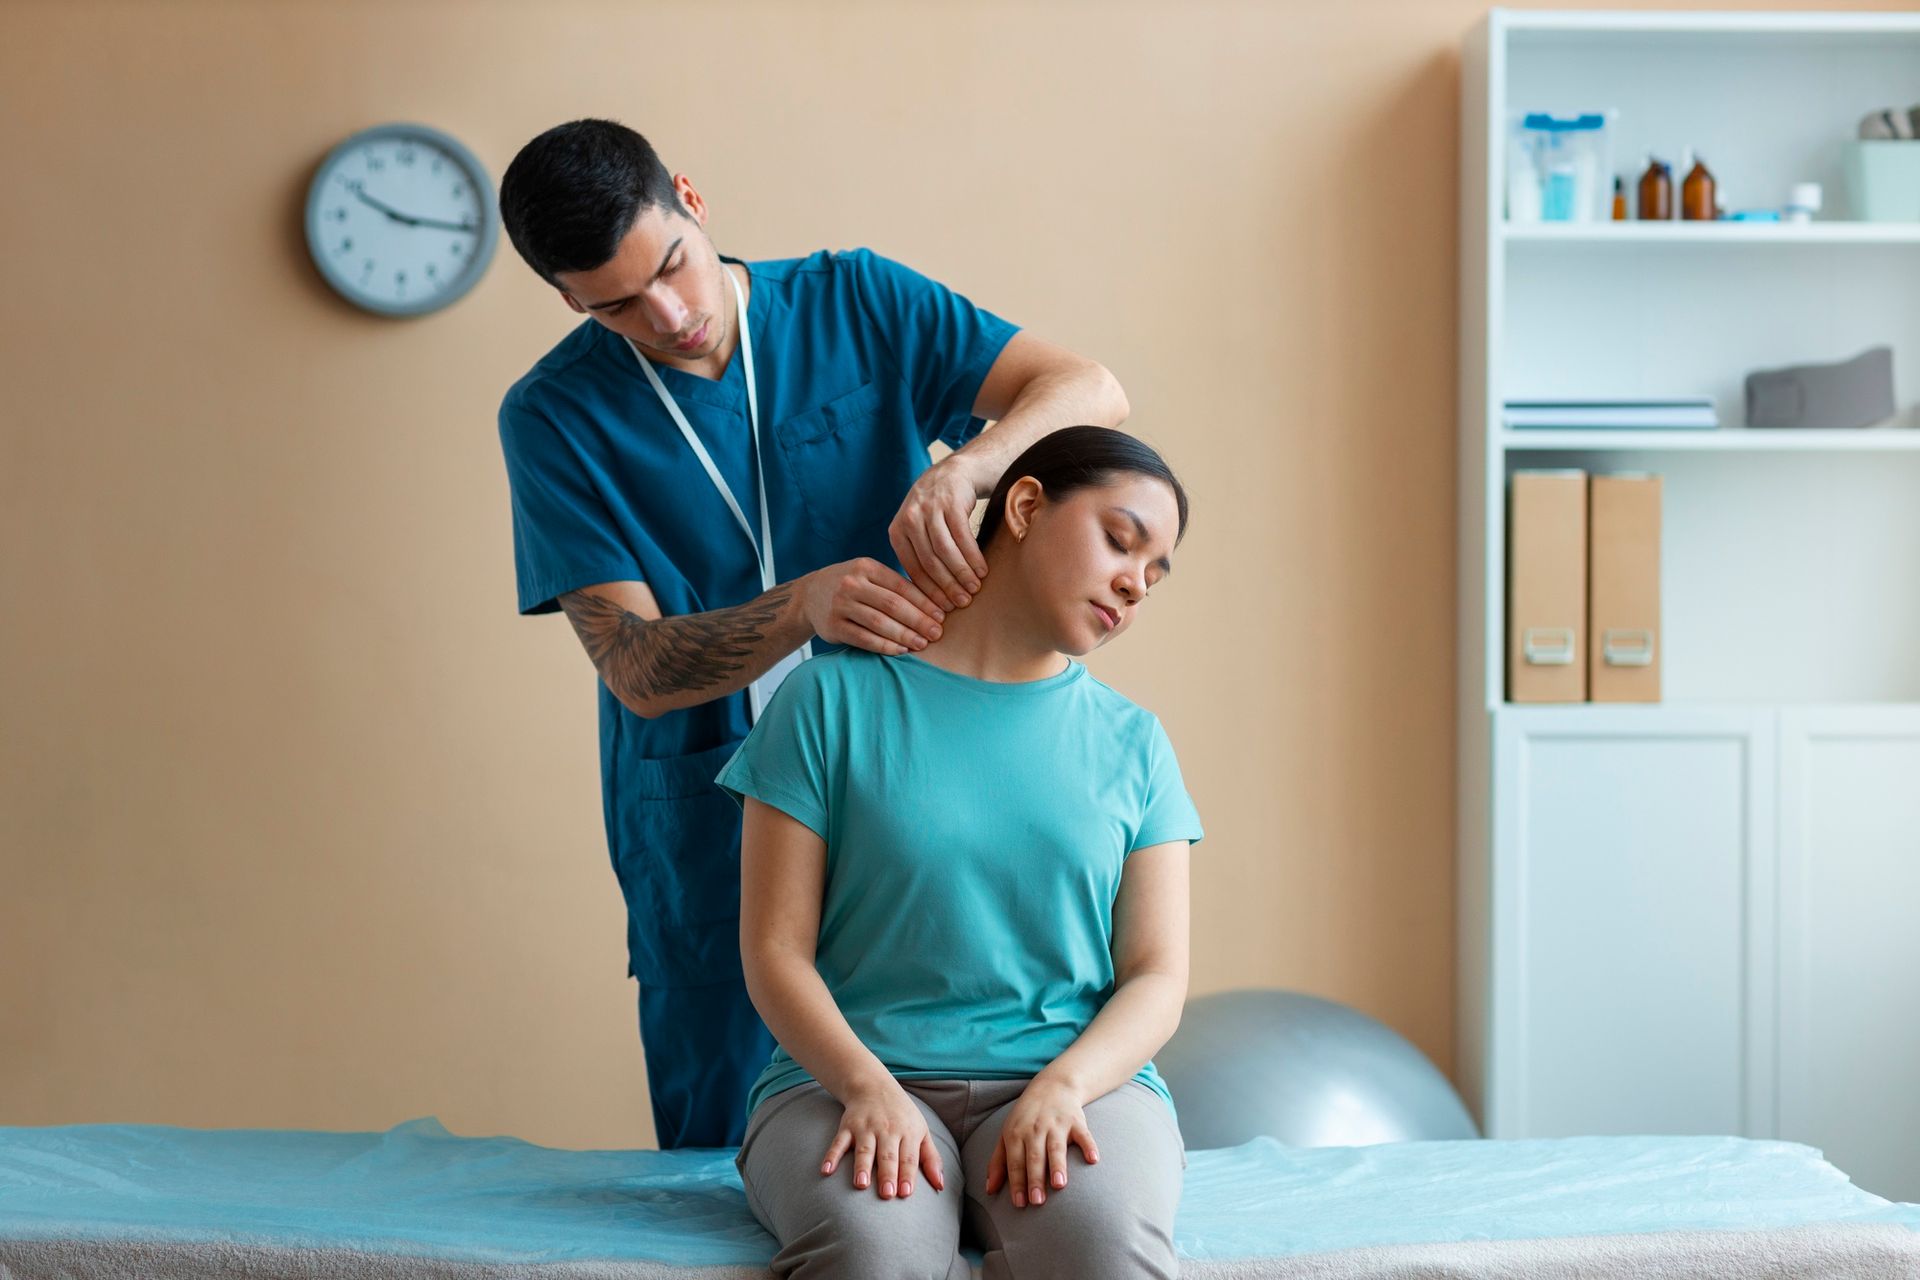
[(1146, 586)]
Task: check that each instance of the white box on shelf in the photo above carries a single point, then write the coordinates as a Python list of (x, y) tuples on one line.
[(1883, 180)]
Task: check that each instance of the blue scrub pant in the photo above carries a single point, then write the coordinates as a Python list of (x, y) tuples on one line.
[(705, 1046)]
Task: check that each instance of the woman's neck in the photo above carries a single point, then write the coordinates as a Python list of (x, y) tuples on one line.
[(992, 638)]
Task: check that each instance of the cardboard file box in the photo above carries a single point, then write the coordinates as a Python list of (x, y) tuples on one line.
[(1547, 587), (1623, 588)]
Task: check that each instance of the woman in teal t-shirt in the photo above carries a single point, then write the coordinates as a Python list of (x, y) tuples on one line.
[(964, 912)]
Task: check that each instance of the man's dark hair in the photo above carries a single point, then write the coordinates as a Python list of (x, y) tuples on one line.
[(572, 194), (1080, 458)]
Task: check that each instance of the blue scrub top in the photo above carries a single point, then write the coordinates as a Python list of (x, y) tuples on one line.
[(861, 364)]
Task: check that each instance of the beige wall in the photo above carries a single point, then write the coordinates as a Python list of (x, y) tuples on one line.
[(300, 822)]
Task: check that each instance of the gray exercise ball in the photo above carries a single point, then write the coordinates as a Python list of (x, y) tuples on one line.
[(1307, 1071)]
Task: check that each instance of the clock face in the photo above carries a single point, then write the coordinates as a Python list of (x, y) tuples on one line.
[(400, 219)]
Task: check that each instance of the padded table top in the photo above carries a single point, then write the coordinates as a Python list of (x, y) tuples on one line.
[(418, 1191)]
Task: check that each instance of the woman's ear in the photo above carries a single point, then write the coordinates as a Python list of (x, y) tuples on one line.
[(1023, 499)]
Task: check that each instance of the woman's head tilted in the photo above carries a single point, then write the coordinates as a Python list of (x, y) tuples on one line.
[(1083, 524)]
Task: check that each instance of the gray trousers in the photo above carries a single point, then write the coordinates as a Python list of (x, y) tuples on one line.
[(1113, 1220)]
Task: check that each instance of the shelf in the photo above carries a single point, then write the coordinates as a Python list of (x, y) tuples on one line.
[(1710, 233), (1727, 24), (1680, 709), (1725, 439)]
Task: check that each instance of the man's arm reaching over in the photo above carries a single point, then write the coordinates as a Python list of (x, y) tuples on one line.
[(655, 664), (1034, 388)]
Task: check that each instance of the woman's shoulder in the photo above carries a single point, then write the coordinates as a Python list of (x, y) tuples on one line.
[(837, 670), (1117, 709)]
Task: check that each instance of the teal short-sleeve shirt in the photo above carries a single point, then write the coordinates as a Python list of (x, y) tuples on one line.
[(975, 834)]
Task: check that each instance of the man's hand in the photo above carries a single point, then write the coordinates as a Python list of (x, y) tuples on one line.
[(933, 533), (865, 604)]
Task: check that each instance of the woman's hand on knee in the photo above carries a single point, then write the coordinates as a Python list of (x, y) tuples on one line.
[(1031, 1154), (888, 1137)]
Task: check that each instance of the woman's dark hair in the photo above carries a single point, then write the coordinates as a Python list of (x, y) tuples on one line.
[(1080, 458), (572, 194)]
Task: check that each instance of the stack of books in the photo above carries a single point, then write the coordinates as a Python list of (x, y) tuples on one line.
[(1689, 413)]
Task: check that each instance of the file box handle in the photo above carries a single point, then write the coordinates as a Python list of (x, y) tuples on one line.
[(1548, 646), (1627, 647)]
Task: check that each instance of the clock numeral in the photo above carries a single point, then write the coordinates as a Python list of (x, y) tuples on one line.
[(404, 156), (340, 214), (459, 188), (374, 163), (435, 167), (346, 245), (454, 249), (366, 268), (433, 272)]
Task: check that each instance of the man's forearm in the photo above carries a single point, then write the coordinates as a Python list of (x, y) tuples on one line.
[(655, 665), (1086, 396)]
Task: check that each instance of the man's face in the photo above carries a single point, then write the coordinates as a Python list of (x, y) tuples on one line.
[(662, 288)]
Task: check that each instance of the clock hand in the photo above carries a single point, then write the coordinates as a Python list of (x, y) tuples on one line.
[(387, 209), (442, 226), (409, 219)]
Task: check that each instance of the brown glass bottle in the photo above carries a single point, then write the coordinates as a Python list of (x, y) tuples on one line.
[(1656, 192), (1696, 194), (1619, 200)]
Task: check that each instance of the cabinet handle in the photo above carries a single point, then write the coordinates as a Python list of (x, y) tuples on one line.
[(1548, 646), (1627, 647)]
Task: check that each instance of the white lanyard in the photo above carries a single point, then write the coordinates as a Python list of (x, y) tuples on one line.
[(761, 691)]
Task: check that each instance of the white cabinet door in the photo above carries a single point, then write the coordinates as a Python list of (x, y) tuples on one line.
[(1850, 940), (1632, 922)]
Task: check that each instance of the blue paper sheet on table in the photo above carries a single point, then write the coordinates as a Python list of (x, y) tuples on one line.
[(418, 1190)]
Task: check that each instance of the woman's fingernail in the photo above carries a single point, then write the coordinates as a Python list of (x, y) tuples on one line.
[(886, 1188), (1019, 1201), (963, 602), (859, 1179), (1039, 1196), (827, 1167)]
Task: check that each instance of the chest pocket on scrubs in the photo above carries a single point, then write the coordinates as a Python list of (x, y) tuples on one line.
[(839, 461), (679, 863)]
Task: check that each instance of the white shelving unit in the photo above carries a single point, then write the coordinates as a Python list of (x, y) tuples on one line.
[(1667, 915), (1863, 441), (1708, 234)]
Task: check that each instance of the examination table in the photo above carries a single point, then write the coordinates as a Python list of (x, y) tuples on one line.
[(419, 1203)]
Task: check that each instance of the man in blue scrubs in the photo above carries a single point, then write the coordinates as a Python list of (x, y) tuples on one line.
[(726, 461)]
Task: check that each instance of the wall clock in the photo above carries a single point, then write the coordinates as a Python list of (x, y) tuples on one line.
[(401, 219)]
